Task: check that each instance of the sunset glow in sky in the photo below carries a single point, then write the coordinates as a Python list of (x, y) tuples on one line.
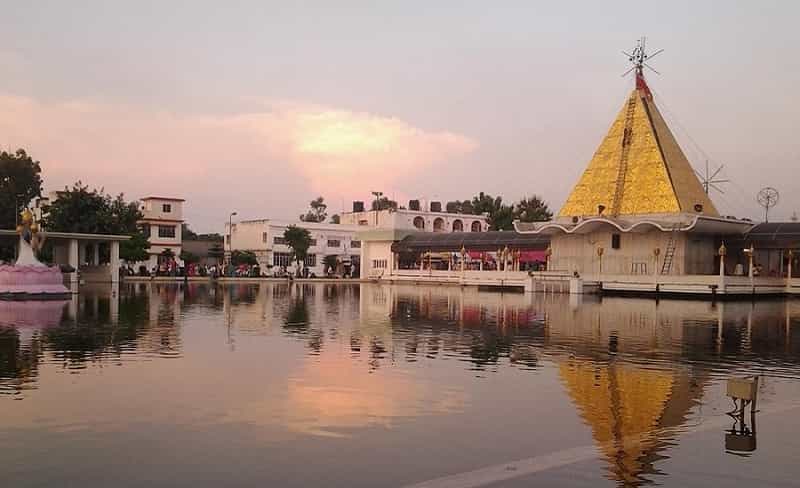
[(259, 107)]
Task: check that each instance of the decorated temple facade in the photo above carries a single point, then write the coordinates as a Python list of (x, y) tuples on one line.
[(638, 208)]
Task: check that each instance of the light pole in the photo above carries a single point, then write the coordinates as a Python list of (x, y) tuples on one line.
[(230, 235), (377, 205)]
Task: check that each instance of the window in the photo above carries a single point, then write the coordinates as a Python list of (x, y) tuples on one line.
[(614, 241), (264, 237), (476, 226), (313, 242), (166, 208), (279, 240), (438, 225), (458, 226), (380, 263), (355, 244), (334, 243), (363, 222), (419, 222), (166, 231), (227, 239), (281, 258), (311, 260)]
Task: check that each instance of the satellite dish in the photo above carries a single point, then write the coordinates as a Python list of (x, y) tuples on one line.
[(768, 197)]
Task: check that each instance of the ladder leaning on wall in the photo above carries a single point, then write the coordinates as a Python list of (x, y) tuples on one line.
[(669, 255)]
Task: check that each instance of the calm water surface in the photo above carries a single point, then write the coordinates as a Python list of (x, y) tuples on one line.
[(371, 385)]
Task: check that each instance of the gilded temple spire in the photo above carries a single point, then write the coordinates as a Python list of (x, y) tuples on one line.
[(639, 168)]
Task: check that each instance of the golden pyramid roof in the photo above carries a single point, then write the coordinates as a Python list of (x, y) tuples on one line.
[(639, 168)]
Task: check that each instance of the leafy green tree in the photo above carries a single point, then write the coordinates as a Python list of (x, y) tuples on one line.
[(91, 211), (501, 216), (384, 203), (335, 219), (20, 182), (532, 209), (453, 207), (239, 258), (168, 254), (79, 209), (135, 248), (330, 261), (188, 257), (298, 240), (317, 212), (187, 234)]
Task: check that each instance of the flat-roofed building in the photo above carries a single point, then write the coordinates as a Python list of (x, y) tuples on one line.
[(161, 222), (264, 238)]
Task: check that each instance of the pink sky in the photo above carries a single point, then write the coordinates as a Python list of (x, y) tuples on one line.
[(260, 107)]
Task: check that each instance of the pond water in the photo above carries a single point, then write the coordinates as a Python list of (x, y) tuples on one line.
[(278, 384)]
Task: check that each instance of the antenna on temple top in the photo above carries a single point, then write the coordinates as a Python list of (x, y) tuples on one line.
[(639, 58)]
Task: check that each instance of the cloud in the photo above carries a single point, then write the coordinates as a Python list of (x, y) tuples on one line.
[(310, 149)]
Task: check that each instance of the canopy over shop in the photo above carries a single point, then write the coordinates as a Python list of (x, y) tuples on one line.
[(485, 250)]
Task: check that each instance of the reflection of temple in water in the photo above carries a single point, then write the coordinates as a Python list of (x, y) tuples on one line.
[(635, 369)]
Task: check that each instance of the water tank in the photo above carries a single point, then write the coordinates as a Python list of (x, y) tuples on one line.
[(358, 206), (436, 206), (413, 205)]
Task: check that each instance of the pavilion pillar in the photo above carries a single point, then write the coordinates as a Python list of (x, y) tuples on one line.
[(790, 254), (95, 253), (114, 262), (74, 260)]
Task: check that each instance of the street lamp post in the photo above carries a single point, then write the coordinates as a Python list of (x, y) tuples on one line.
[(230, 235)]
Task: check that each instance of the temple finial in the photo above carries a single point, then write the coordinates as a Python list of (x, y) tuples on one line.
[(639, 57)]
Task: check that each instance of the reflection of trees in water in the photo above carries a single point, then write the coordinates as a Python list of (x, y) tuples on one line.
[(95, 336), (19, 363), (296, 321)]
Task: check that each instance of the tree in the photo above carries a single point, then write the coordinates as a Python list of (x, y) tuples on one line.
[(135, 248), (187, 234), (532, 209), (188, 257), (453, 207), (501, 216), (214, 236), (168, 254), (330, 261), (298, 240), (20, 182), (318, 211), (335, 219), (239, 258), (383, 203), (93, 212)]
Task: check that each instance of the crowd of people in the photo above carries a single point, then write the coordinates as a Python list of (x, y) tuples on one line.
[(173, 269)]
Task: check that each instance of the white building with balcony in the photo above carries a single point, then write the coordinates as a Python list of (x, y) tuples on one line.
[(161, 222), (379, 229), (416, 220), (264, 238)]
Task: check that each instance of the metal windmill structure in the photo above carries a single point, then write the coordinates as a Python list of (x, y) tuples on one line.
[(768, 197), (710, 180)]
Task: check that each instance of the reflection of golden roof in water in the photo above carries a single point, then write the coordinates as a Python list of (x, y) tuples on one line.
[(639, 168), (626, 406)]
